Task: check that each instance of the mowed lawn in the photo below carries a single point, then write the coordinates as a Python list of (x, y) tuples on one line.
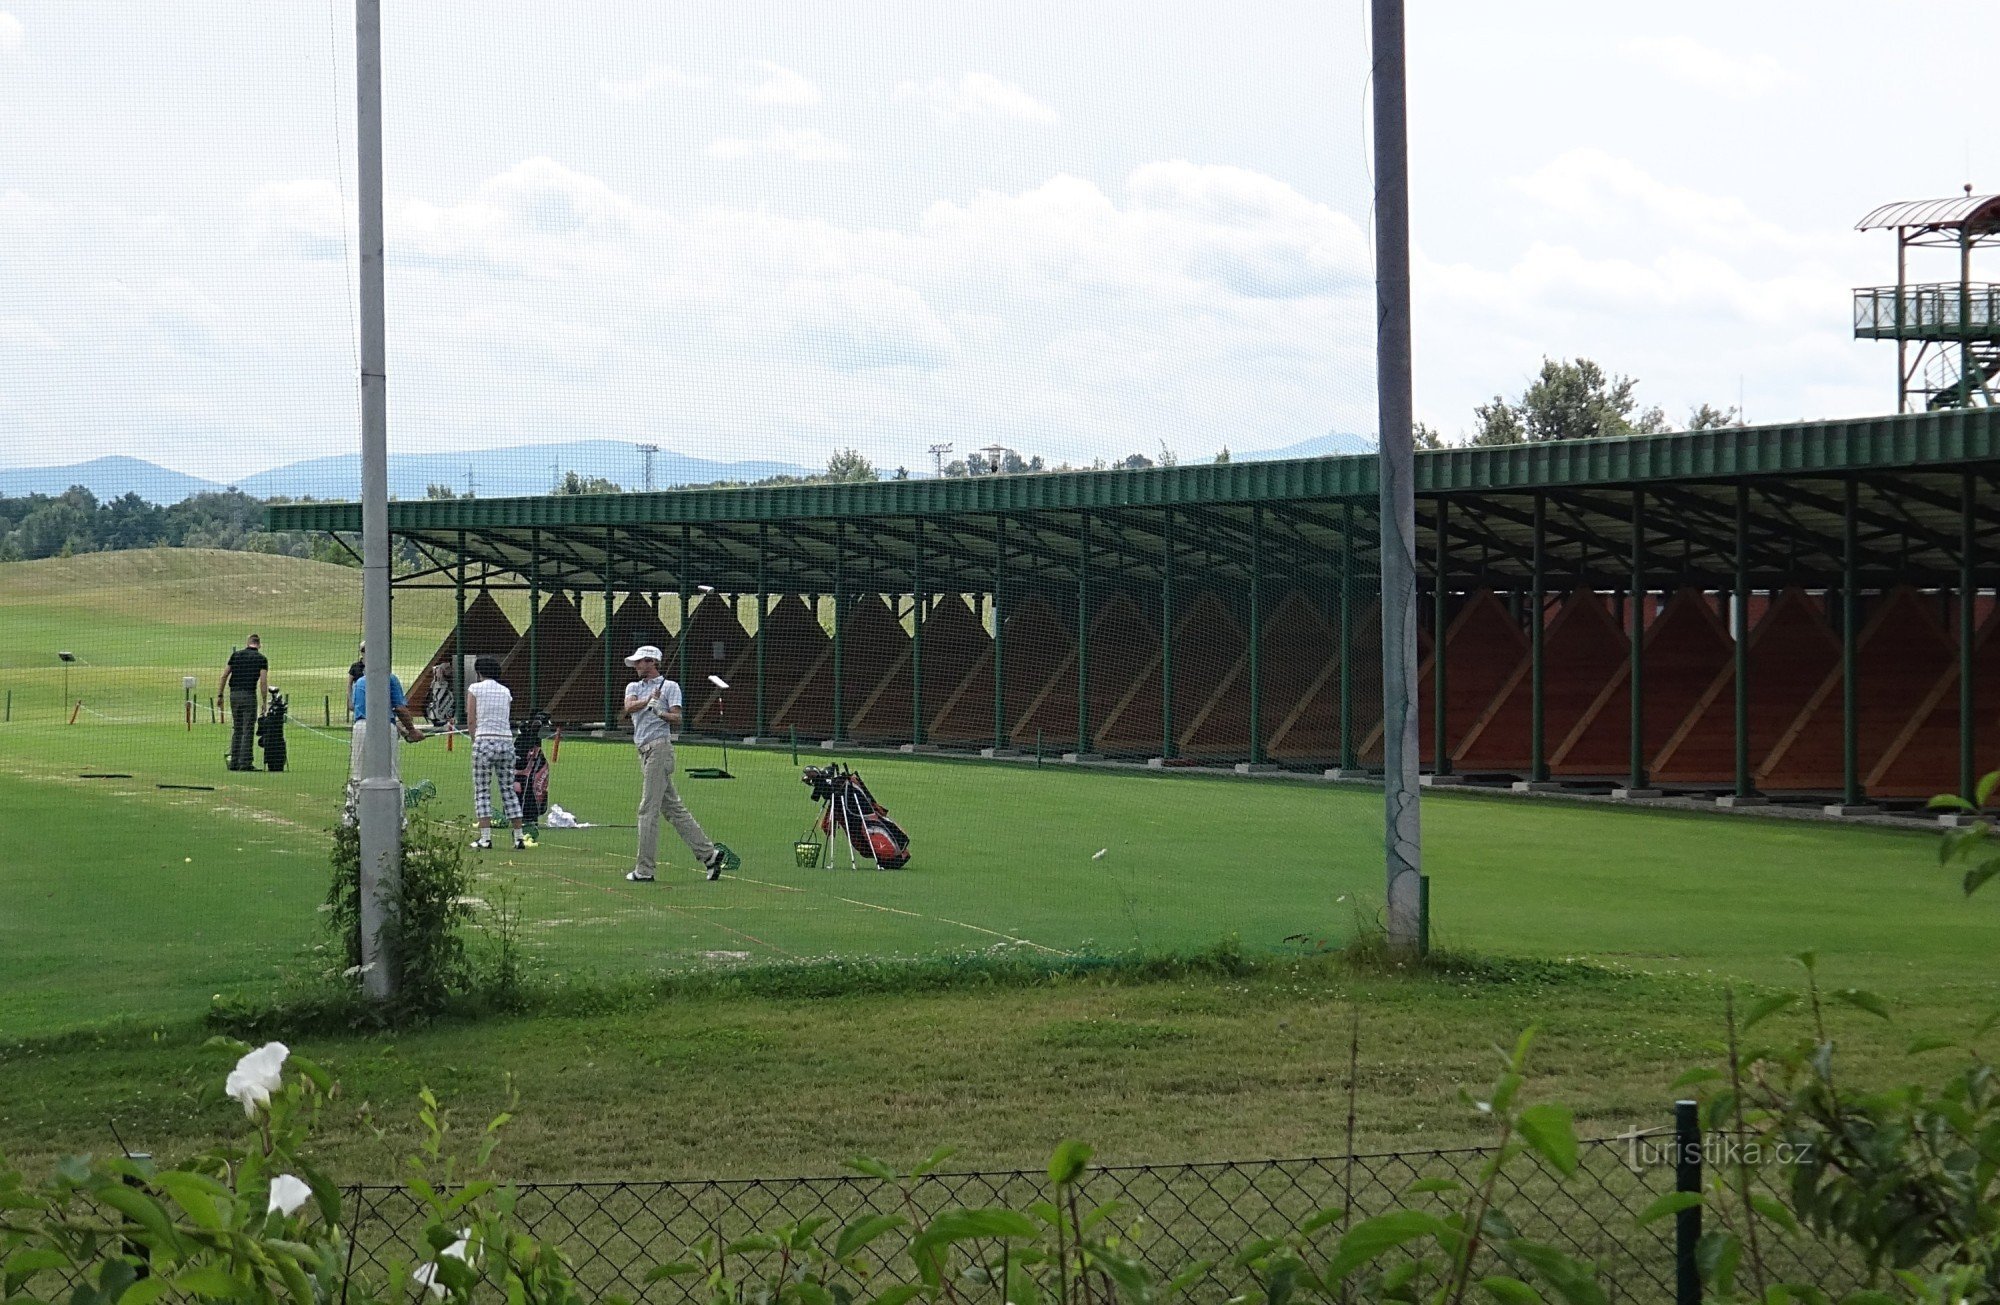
[(141, 901), (126, 908)]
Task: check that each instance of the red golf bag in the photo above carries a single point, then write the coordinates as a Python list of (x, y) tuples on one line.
[(849, 807), (531, 770)]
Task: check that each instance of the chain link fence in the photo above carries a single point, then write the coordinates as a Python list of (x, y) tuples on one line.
[(1174, 1215)]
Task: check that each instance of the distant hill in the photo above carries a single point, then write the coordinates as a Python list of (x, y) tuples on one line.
[(500, 473), (523, 469), (496, 473), (1331, 444), (108, 478)]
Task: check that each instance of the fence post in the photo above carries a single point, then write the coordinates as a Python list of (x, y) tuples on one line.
[(1687, 1223)]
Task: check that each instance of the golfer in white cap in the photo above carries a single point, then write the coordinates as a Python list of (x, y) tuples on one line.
[(653, 705)]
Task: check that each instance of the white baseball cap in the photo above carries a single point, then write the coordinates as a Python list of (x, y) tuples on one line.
[(645, 654)]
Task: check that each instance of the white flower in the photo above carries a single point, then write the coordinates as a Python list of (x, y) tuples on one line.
[(287, 1195), (257, 1076), (426, 1274)]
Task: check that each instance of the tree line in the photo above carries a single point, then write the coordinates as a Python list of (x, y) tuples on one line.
[(1572, 401), (75, 521)]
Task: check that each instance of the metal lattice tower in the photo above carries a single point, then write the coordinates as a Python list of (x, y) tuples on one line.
[(1947, 333)]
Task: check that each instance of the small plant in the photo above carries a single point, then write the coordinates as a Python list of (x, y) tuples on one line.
[(1907, 1177), (258, 1222), (501, 969), (424, 925), (1975, 846)]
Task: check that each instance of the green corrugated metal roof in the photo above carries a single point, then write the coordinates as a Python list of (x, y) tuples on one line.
[(1913, 442)]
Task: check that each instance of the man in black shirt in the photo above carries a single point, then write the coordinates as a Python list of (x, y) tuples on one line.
[(245, 681)]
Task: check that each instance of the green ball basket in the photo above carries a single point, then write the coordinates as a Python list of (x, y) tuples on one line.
[(806, 851)]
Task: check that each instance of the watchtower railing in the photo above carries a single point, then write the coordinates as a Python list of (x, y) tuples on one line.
[(1943, 310)]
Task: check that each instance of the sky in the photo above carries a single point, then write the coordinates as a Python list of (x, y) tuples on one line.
[(1081, 229)]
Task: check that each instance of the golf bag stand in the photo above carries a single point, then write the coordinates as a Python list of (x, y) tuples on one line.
[(271, 732), (531, 770), (849, 807)]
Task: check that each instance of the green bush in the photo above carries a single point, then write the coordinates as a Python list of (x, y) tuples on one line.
[(424, 932)]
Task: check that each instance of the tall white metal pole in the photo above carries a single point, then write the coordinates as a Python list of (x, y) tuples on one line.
[(1402, 832), (381, 797)]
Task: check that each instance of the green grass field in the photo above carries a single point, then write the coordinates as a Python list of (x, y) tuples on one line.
[(128, 908)]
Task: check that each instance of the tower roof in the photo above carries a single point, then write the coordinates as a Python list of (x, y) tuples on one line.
[(1979, 212)]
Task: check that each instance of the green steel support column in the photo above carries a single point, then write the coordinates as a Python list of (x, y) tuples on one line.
[(999, 634), (1740, 627), (1636, 779), (681, 639), (1440, 717), (1167, 635), (840, 633), (1539, 763), (1966, 388), (917, 636), (1850, 606), (610, 540), (458, 676), (1347, 636), (763, 622), (534, 619), (1083, 634), (1257, 634), (1968, 593)]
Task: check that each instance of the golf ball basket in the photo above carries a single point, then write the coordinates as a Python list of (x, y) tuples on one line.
[(807, 849)]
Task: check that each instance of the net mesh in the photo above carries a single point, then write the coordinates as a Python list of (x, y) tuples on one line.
[(631, 250)]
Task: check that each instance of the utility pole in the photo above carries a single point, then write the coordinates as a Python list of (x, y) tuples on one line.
[(647, 452), (1402, 833), (937, 455), (380, 803)]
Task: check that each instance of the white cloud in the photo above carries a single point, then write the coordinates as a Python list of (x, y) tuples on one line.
[(806, 144), (780, 87), (657, 77), (1059, 318), (1738, 76), (10, 33), (1691, 292), (305, 212), (1595, 189), (976, 95), (864, 320)]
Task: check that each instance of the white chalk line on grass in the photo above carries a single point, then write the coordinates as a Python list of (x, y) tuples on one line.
[(875, 906), (940, 919)]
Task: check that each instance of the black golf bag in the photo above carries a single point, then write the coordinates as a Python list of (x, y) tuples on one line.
[(271, 732), (531, 769), (849, 807)]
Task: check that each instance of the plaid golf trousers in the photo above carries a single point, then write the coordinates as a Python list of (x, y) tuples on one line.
[(493, 760)]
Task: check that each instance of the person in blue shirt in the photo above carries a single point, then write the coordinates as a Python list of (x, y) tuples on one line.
[(401, 717)]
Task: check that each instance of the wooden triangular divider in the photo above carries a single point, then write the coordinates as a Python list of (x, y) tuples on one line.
[(1686, 644), (488, 633), (1901, 652), (1790, 651), (634, 623)]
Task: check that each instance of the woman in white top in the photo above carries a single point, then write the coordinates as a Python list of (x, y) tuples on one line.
[(489, 708)]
